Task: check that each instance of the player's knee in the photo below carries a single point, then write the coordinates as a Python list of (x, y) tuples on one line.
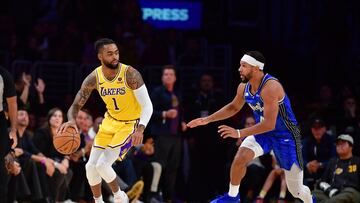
[(90, 167), (243, 157), (105, 170), (239, 161), (92, 174), (101, 165)]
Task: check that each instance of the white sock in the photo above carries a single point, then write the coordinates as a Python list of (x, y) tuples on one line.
[(233, 190), (99, 199), (118, 193)]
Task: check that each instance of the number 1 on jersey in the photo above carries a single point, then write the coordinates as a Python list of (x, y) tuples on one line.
[(115, 104)]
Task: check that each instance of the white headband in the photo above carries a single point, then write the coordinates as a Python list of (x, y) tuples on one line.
[(252, 61)]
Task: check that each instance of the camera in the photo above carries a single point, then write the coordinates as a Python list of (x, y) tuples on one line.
[(328, 190)]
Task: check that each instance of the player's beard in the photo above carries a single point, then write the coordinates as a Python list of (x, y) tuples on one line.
[(111, 65), (244, 79)]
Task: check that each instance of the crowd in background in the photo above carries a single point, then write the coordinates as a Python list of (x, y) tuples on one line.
[(184, 158)]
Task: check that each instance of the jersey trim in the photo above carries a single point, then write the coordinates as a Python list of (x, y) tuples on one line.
[(114, 79), (129, 136), (295, 132), (107, 112), (97, 79)]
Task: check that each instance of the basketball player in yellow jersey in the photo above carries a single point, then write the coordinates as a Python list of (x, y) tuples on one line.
[(128, 111)]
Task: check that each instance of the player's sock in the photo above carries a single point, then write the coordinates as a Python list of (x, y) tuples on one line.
[(118, 193), (262, 194), (233, 190), (282, 194), (99, 199)]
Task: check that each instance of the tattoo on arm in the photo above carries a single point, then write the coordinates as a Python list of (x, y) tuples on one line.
[(133, 78), (83, 95)]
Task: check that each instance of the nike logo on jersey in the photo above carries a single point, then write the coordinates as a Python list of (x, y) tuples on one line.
[(100, 83)]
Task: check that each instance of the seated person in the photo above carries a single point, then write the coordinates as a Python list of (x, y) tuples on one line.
[(277, 172), (341, 180)]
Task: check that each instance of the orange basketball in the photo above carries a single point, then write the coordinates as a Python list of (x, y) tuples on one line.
[(67, 142)]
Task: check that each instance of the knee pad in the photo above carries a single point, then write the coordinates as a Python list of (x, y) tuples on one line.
[(294, 181), (106, 171), (298, 190), (92, 174), (104, 163)]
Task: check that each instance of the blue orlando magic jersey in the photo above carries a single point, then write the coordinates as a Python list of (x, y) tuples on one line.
[(285, 122), (285, 139)]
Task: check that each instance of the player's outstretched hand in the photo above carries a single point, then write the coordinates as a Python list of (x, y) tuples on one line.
[(64, 126), (197, 122), (227, 131)]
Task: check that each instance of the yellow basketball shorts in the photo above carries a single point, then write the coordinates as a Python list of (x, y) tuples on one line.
[(114, 133)]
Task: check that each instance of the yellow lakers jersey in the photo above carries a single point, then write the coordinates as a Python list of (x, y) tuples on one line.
[(120, 100)]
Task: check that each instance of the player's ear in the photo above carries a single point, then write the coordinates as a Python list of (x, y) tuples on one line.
[(99, 56)]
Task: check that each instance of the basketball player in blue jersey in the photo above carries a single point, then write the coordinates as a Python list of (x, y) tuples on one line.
[(276, 128)]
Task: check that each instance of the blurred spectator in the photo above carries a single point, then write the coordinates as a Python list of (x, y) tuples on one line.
[(203, 140), (79, 187), (324, 104), (347, 117), (8, 96), (34, 164), (32, 49), (33, 104), (146, 169), (341, 180), (356, 135), (156, 53), (318, 149), (167, 125), (95, 127), (193, 55), (58, 180), (275, 173)]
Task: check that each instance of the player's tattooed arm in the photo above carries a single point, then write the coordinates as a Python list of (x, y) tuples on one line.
[(88, 85), (133, 78)]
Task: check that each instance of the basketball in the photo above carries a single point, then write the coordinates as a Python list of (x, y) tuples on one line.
[(67, 142)]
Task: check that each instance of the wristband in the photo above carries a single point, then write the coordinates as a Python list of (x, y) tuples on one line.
[(238, 133)]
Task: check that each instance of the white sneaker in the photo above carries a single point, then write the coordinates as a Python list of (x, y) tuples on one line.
[(122, 198)]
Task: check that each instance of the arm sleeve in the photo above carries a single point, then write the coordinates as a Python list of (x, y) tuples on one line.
[(143, 98)]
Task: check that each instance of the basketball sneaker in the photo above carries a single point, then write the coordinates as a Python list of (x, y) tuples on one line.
[(135, 191), (226, 199), (121, 198), (314, 199)]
